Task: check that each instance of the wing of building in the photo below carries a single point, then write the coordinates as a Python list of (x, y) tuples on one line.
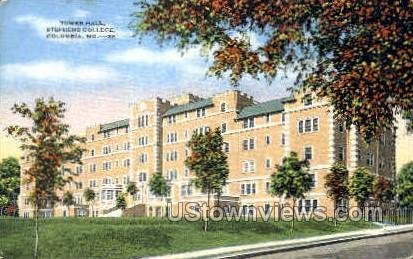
[(153, 137)]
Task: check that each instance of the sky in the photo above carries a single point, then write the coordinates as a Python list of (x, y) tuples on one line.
[(98, 78)]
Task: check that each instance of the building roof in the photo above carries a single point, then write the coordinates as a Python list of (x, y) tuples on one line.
[(114, 125), (272, 106), (188, 107)]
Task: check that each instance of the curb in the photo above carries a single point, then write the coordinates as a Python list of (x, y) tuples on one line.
[(246, 251), (307, 245)]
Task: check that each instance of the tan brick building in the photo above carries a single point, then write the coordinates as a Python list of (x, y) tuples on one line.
[(257, 136)]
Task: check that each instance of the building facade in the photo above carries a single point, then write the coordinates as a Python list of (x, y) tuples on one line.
[(257, 136)]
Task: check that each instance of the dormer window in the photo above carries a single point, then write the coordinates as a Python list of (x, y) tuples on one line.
[(307, 100), (248, 123), (200, 112)]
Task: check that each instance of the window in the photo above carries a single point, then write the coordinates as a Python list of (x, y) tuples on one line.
[(92, 183), (301, 126), (267, 187), (126, 162), (248, 166), (370, 159), (200, 112), (143, 141), (106, 134), (172, 156), (308, 153), (248, 144), (201, 130), (226, 147), (312, 183), (106, 150), (143, 158), (267, 140), (79, 169), (247, 188), (315, 124), (223, 127), (172, 175), (249, 123), (92, 137), (267, 118), (223, 107), (172, 137), (283, 139), (171, 119), (127, 129), (126, 146), (308, 205), (340, 127), (358, 154), (340, 153), (107, 166), (143, 121), (267, 163), (186, 172), (92, 152), (142, 177), (383, 139), (283, 118), (186, 114), (308, 125), (92, 168), (186, 190), (307, 100)]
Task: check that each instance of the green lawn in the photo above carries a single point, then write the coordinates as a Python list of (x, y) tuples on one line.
[(127, 237)]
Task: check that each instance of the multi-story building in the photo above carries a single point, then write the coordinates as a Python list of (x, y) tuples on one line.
[(257, 136)]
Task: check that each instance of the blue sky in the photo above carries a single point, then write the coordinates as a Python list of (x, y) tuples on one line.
[(97, 78)]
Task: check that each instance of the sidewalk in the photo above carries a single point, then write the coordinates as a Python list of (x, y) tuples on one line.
[(243, 251)]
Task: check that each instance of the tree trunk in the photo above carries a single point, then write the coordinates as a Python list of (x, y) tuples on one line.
[(377, 155), (334, 213), (292, 222), (207, 215), (36, 221)]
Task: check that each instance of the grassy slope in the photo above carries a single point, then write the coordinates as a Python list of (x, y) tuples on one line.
[(123, 238)]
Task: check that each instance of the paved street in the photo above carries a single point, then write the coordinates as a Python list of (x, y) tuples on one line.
[(393, 246)]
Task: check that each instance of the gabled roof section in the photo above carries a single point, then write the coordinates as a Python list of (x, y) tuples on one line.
[(273, 106), (188, 107), (114, 125)]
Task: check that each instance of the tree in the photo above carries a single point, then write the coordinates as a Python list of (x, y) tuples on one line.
[(121, 201), (68, 200), (209, 162), (340, 49), (404, 187), (132, 189), (9, 182), (90, 197), (383, 189), (361, 186), (337, 185), (291, 180), (48, 145), (159, 186)]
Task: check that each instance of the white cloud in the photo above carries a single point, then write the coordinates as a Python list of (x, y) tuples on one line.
[(57, 70), (189, 61), (147, 56), (79, 13)]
